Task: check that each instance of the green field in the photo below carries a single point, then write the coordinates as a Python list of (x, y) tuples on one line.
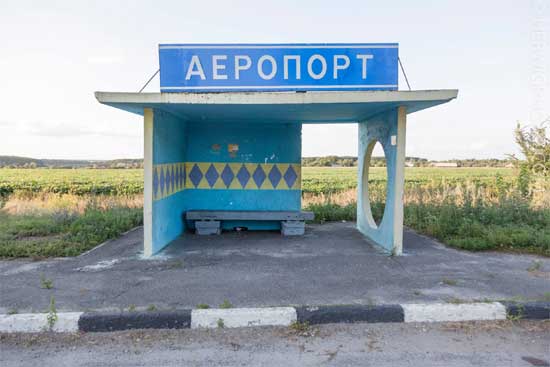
[(63, 212), (130, 181)]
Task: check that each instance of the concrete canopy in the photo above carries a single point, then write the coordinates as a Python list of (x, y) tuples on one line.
[(277, 107)]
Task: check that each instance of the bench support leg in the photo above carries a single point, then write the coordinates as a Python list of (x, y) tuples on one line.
[(292, 228), (207, 227)]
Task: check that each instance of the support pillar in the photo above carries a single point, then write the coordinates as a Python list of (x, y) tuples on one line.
[(389, 129), (148, 182)]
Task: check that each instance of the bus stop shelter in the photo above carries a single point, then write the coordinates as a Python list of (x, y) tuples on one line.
[(242, 151), (223, 138)]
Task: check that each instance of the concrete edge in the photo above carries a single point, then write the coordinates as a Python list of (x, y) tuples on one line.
[(273, 316), (242, 317), (441, 312), (116, 321), (97, 247), (528, 310), (350, 313)]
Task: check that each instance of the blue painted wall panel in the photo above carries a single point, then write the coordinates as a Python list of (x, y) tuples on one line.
[(259, 143), (169, 138), (180, 146), (168, 223)]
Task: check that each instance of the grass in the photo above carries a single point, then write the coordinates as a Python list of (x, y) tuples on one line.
[(226, 304), (45, 283), (60, 212), (46, 235), (450, 282)]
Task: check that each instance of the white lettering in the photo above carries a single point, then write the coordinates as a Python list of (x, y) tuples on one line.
[(261, 61), (296, 59), (338, 66), (195, 62), (239, 67), (364, 59), (216, 66), (323, 66)]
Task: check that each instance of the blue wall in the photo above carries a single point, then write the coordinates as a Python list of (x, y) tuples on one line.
[(168, 196), (230, 166), (268, 145)]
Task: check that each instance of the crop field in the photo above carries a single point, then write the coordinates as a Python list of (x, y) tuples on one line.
[(63, 212), (315, 180)]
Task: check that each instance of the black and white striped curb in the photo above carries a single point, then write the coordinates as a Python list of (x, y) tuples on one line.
[(271, 316)]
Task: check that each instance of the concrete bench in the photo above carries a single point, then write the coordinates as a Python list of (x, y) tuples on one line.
[(209, 221)]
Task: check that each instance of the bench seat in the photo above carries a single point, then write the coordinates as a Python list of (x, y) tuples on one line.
[(209, 221)]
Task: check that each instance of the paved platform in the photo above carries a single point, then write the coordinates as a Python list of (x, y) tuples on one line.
[(331, 265)]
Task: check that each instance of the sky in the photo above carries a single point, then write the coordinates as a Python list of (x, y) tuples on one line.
[(55, 54)]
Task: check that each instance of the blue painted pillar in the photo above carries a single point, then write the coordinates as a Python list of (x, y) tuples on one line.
[(388, 129)]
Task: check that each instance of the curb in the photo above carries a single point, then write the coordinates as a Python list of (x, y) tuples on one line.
[(273, 316)]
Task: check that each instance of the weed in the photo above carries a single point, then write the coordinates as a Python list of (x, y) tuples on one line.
[(546, 297), (176, 264), (52, 314), (417, 293), (456, 300), (220, 324), (132, 308), (226, 304), (202, 306), (535, 266), (45, 283), (13, 311), (302, 329), (450, 282), (515, 317), (151, 308), (299, 327)]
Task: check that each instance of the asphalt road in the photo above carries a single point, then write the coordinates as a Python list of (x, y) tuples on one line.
[(506, 343)]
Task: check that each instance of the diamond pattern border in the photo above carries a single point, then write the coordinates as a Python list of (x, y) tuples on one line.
[(171, 178), (244, 176), (168, 179)]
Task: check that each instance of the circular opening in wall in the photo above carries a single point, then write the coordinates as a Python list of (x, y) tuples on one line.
[(375, 184)]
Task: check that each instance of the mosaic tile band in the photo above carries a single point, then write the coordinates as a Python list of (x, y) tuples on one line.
[(171, 178)]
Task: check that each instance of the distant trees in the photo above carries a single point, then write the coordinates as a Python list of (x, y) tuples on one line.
[(23, 162), (534, 143)]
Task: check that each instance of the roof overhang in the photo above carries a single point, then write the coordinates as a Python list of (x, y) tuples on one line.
[(293, 107)]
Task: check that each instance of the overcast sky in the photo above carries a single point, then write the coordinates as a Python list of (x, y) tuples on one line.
[(55, 54)]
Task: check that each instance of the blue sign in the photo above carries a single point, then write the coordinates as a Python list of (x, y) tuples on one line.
[(277, 67)]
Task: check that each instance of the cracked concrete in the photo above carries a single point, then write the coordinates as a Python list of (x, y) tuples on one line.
[(331, 264)]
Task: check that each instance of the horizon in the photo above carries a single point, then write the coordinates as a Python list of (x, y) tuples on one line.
[(303, 157), (54, 58)]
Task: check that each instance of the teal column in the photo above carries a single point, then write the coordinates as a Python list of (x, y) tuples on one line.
[(388, 129)]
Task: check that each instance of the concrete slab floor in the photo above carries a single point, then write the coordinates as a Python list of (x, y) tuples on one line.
[(331, 264)]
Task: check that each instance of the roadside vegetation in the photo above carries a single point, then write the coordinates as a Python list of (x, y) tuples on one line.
[(64, 212), (49, 225)]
